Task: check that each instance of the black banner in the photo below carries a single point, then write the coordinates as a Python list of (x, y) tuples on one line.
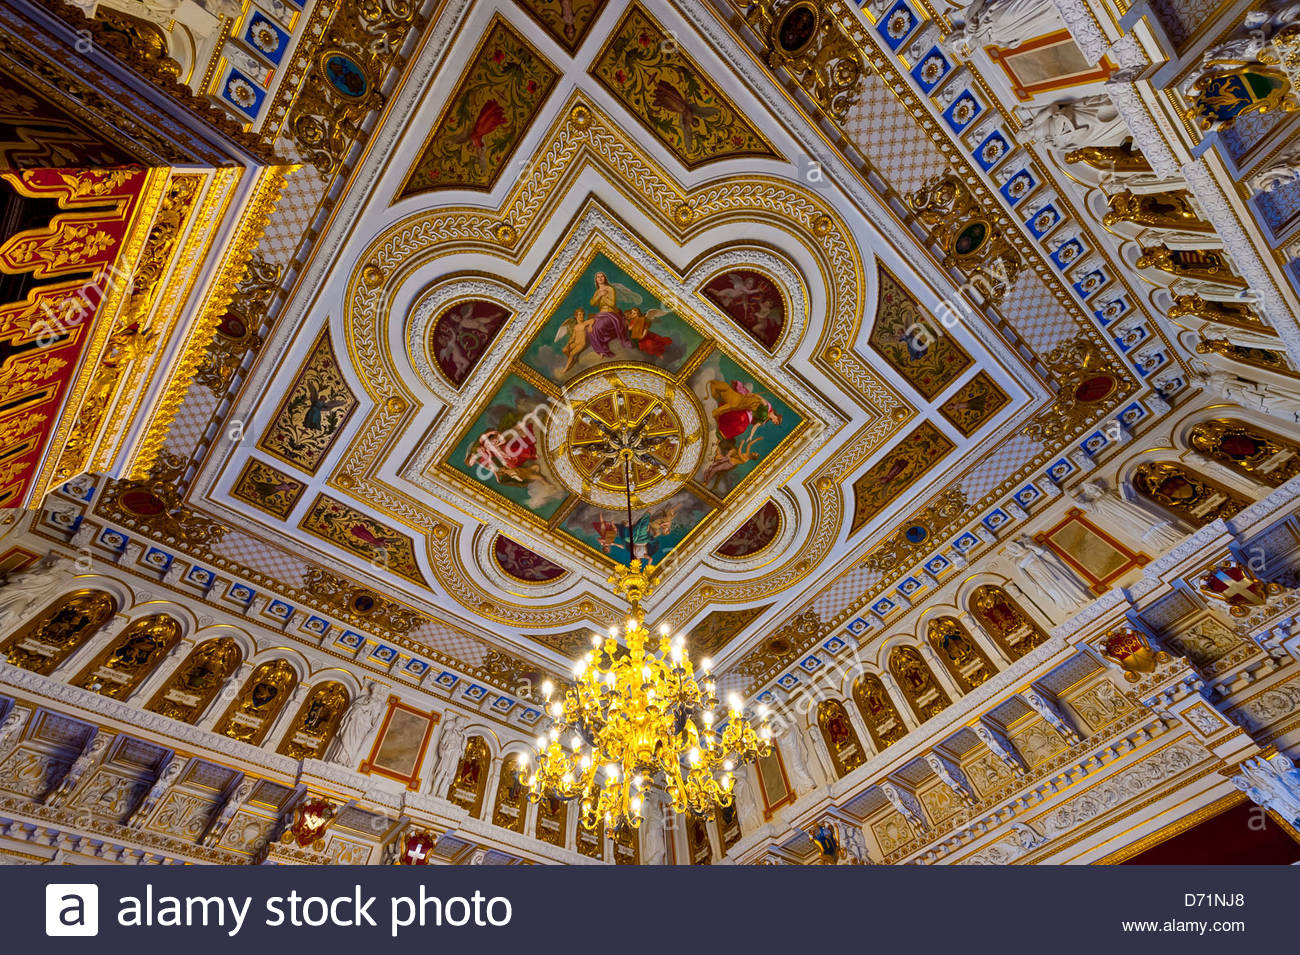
[(648, 909)]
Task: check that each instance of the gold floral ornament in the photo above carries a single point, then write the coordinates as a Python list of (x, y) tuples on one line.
[(968, 235), (154, 505), (1132, 652), (638, 720), (1088, 383), (802, 37)]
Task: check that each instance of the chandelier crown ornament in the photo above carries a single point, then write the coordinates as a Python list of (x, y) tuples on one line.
[(641, 717)]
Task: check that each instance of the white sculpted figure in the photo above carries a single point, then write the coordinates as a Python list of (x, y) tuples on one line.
[(1105, 505), (654, 843), (1004, 23), (745, 793), (1072, 123), (795, 750), (33, 589), (451, 744), (358, 723), (1272, 782), (1267, 398), (1045, 571), (1283, 169)]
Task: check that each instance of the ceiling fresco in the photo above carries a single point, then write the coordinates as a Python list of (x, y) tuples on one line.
[(580, 217), (614, 353)]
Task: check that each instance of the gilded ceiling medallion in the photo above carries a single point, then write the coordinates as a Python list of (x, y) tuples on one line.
[(635, 409)]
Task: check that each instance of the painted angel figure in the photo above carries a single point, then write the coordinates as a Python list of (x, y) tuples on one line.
[(752, 305), (512, 461), (731, 454), (739, 407), (469, 327), (575, 330), (609, 323), (638, 326)]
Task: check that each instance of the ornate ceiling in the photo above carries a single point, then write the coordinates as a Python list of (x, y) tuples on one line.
[(832, 392)]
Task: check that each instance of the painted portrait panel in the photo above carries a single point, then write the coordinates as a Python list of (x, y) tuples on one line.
[(318, 404), (747, 422), (655, 530), (752, 301), (607, 315), (502, 449)]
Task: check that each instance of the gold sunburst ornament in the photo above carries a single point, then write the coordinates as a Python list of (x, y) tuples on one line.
[(640, 719)]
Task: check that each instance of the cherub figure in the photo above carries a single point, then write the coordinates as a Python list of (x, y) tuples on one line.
[(575, 330)]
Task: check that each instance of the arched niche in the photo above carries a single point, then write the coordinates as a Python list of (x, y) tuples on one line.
[(470, 782), (197, 680), (316, 721), (698, 845), (961, 655), (1010, 627), (840, 737), (124, 663), (260, 700), (48, 639), (883, 721), (511, 807), (1252, 452), (1181, 491), (919, 685), (552, 826), (627, 846)]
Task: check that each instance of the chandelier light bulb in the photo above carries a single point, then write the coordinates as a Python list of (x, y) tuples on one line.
[(706, 664), (547, 689)]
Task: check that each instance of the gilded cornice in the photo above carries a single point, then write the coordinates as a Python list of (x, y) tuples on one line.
[(156, 72)]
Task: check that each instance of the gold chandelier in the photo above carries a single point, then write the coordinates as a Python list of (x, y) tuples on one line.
[(638, 719)]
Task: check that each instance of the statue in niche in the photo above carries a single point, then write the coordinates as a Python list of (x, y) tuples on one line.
[(313, 730), (261, 700), (1247, 450), (878, 711), (1005, 621), (1268, 398), (129, 659), (35, 587), (451, 743), (1002, 23), (795, 750), (1189, 495), (360, 721), (747, 803), (966, 661), (51, 638), (1086, 122), (919, 685), (841, 740), (198, 680), (1048, 573)]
